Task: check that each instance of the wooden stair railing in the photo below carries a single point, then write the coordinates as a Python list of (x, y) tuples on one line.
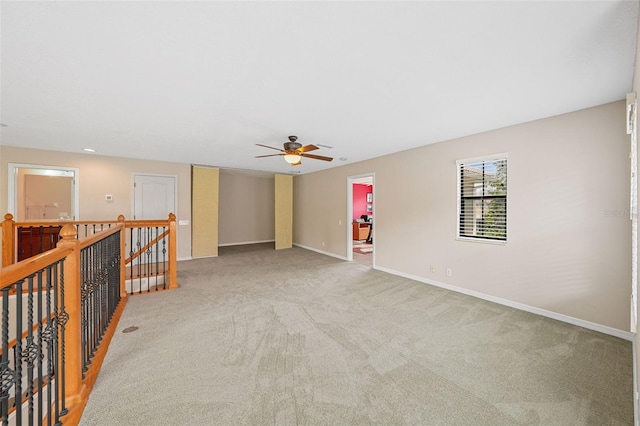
[(151, 245), (71, 307)]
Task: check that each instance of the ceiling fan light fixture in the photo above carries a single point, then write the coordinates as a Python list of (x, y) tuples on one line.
[(292, 158)]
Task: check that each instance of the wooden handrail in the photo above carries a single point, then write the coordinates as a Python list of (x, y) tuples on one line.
[(9, 234), (17, 271)]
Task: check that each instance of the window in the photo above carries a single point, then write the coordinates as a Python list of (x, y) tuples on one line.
[(482, 199)]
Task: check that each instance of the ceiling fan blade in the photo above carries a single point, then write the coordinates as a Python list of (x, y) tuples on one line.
[(307, 148), (316, 157), (270, 155), (270, 147)]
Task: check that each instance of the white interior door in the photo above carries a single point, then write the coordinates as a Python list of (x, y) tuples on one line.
[(154, 196)]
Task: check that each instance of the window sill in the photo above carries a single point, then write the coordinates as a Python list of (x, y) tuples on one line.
[(482, 241)]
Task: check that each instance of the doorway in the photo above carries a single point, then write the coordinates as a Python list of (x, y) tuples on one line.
[(43, 192), (360, 214), (154, 196)]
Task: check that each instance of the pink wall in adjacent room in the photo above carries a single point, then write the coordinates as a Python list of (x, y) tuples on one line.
[(360, 200)]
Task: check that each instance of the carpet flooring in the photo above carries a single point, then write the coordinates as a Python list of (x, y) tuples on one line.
[(292, 337)]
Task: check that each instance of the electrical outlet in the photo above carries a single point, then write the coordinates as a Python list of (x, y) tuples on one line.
[(449, 272), (323, 244), (432, 268)]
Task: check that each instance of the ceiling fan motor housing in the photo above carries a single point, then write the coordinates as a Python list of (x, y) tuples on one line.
[(292, 146)]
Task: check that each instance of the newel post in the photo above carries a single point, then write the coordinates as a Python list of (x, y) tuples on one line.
[(173, 252), (123, 256), (71, 303), (8, 241)]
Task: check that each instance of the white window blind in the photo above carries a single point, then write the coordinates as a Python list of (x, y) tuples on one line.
[(482, 199)]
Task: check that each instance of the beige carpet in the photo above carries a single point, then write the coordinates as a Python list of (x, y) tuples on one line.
[(264, 337)]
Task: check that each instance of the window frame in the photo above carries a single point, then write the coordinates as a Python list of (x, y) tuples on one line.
[(460, 198)]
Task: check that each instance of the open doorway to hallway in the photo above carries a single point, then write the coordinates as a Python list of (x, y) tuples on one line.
[(360, 246)]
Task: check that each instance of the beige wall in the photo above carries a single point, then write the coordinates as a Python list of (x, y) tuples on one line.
[(568, 247), (247, 207), (102, 175)]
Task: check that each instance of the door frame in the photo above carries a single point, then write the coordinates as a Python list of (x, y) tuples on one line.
[(350, 181), (133, 190)]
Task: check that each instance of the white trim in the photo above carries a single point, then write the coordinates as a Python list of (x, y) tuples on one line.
[(180, 259), (245, 243), (520, 306), (204, 257), (326, 253), (635, 383), (479, 240)]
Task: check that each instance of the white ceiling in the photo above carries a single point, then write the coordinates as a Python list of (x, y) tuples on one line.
[(203, 82)]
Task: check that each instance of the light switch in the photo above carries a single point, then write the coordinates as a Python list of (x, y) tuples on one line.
[(183, 222)]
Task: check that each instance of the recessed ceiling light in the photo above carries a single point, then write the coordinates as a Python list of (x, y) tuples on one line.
[(89, 150)]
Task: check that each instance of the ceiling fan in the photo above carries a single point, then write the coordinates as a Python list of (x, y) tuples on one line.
[(294, 151)]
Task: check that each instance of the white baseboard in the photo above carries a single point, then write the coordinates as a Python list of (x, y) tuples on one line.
[(245, 243), (321, 251), (180, 259), (626, 335)]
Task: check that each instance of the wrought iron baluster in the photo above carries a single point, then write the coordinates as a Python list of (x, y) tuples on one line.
[(131, 264), (50, 338), (140, 259), (7, 375), (30, 352), (164, 256), (62, 319), (84, 312), (156, 269), (40, 341), (147, 261), (101, 290), (18, 354)]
